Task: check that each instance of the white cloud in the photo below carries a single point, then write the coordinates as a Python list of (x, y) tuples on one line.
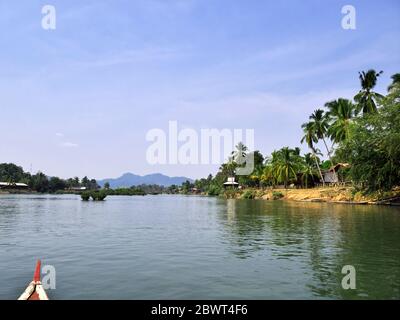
[(58, 134), (69, 145)]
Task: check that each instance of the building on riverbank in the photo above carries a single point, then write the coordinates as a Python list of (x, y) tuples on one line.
[(13, 185), (331, 175), (231, 183)]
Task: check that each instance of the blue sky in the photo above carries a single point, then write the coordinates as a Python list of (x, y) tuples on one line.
[(80, 99)]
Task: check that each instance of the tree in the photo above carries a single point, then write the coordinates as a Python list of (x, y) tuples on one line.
[(320, 123), (286, 164), (395, 85), (9, 172), (310, 137), (39, 182), (308, 169), (367, 99), (85, 182), (239, 155), (186, 186), (340, 114), (107, 185), (373, 149), (56, 184)]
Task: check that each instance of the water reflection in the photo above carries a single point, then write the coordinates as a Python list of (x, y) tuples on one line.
[(159, 247), (324, 237)]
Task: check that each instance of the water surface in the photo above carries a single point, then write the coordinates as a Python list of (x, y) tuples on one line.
[(191, 247)]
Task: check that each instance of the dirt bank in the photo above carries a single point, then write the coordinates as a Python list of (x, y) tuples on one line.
[(327, 194)]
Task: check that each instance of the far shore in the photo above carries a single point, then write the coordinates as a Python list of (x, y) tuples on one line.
[(340, 195)]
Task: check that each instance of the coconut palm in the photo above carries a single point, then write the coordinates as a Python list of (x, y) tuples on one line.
[(320, 123), (308, 169), (367, 99), (310, 138), (341, 111), (286, 164), (239, 155), (395, 82)]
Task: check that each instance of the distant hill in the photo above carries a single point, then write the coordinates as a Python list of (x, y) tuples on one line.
[(130, 179)]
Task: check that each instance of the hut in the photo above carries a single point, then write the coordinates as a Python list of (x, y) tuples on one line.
[(230, 182), (331, 175), (13, 185)]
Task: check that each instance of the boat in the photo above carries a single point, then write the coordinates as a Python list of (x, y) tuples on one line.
[(35, 290)]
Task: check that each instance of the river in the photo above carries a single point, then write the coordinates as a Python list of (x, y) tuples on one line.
[(193, 247)]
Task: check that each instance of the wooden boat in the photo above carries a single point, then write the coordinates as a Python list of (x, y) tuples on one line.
[(35, 290)]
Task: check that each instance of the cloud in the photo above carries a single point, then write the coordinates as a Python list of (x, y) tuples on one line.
[(69, 145), (58, 134)]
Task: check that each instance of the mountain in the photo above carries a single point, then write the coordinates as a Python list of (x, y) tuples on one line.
[(130, 179)]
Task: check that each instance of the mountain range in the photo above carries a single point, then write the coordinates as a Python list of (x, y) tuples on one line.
[(129, 179)]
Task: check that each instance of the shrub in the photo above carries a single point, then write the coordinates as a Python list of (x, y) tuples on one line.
[(277, 195), (231, 193), (85, 196), (249, 194), (98, 195), (213, 190)]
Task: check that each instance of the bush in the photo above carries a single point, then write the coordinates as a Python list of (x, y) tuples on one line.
[(98, 195), (95, 195), (231, 193), (277, 195), (85, 196), (249, 194), (213, 191)]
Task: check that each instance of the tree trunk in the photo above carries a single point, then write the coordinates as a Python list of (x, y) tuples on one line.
[(319, 169), (330, 158)]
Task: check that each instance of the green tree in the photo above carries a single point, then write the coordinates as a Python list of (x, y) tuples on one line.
[(395, 85), (9, 172), (107, 185), (310, 137), (308, 169), (320, 123), (367, 99), (286, 164), (341, 112), (39, 182), (373, 149), (56, 184), (239, 155)]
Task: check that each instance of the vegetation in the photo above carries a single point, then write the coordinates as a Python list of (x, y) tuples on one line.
[(277, 195), (85, 196), (98, 195), (364, 134)]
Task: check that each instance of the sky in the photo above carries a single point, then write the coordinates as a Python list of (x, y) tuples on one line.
[(79, 99)]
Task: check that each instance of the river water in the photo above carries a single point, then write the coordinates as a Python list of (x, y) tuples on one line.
[(192, 247)]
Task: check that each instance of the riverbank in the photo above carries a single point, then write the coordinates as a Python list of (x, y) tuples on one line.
[(327, 194)]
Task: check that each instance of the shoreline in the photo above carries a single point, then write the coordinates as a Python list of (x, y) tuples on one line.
[(337, 195)]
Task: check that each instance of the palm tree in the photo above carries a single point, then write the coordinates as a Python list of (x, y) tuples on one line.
[(239, 155), (395, 82), (320, 123), (310, 138), (308, 169), (367, 99), (341, 111), (285, 164)]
